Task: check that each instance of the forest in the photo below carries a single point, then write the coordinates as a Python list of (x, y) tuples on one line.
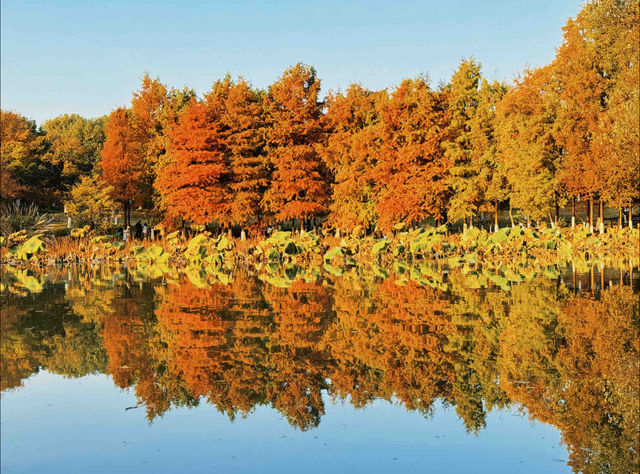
[(560, 136)]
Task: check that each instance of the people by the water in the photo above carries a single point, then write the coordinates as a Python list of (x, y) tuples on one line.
[(138, 230)]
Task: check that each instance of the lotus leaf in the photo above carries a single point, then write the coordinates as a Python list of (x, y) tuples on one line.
[(225, 244), (292, 249), (380, 247), (334, 252)]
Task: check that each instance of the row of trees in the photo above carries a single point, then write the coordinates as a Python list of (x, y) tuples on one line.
[(565, 131), (572, 362), (41, 164), (562, 133)]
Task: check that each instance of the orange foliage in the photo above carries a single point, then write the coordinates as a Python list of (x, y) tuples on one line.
[(240, 111), (351, 154), (122, 158), (195, 184), (298, 188), (411, 172)]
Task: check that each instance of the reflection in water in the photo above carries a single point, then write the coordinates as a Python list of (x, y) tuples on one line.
[(571, 358)]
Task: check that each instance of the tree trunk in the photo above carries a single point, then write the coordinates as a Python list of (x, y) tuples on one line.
[(621, 277), (557, 216), (620, 217), (573, 212), (630, 215), (601, 217), (495, 220), (511, 215), (591, 215), (586, 203), (126, 214)]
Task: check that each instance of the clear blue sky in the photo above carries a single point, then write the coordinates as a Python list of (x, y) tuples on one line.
[(87, 57)]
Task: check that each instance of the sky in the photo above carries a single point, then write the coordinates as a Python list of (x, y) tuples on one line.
[(87, 57)]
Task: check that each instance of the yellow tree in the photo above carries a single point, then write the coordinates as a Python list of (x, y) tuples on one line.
[(527, 149), (23, 171), (490, 176), (614, 32), (73, 146)]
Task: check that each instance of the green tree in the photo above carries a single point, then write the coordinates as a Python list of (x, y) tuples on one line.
[(90, 203), (74, 145), (25, 174)]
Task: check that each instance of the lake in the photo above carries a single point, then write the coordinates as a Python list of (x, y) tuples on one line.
[(108, 370)]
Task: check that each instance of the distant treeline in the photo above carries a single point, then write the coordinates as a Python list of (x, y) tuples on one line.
[(239, 156)]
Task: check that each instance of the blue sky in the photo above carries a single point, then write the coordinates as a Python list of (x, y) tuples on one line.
[(87, 57)]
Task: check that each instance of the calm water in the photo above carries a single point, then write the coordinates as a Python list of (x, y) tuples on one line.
[(113, 371)]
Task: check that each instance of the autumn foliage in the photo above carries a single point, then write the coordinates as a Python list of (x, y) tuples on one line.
[(562, 133), (122, 158)]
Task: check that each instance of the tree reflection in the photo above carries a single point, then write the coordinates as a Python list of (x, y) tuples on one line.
[(568, 358)]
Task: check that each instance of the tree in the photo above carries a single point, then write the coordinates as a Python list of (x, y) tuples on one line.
[(298, 189), (122, 159), (490, 177), (195, 186), (74, 145), (23, 171), (411, 170), (90, 203), (166, 117), (9, 187), (614, 33), (241, 115), (351, 154), (150, 122), (527, 149), (463, 102)]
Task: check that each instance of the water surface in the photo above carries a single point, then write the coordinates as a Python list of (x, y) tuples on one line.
[(106, 371)]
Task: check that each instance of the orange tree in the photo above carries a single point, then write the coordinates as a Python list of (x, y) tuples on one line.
[(351, 152), (241, 115), (195, 185), (411, 171), (298, 189), (122, 165)]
